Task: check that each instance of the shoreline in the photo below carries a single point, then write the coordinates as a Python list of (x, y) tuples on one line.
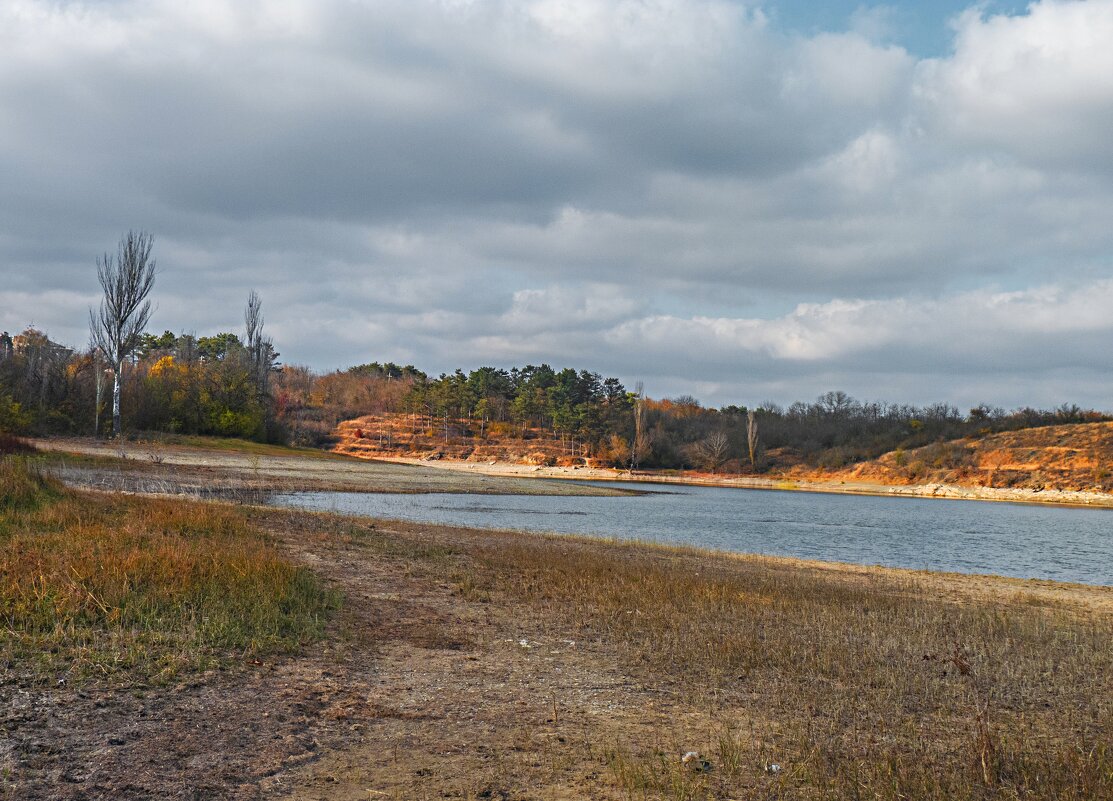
[(1051, 497), (464, 662), (224, 476), (966, 587)]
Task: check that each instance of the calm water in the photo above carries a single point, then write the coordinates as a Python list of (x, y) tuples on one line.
[(1026, 541)]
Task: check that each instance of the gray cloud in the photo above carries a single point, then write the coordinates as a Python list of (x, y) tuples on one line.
[(669, 190)]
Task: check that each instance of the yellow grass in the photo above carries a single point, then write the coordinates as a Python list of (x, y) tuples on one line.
[(92, 584), (858, 686)]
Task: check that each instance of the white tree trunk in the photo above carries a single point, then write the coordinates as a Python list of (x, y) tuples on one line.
[(98, 375), (116, 400)]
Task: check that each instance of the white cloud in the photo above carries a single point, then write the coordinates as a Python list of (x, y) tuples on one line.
[(640, 188), (1037, 87), (1034, 325)]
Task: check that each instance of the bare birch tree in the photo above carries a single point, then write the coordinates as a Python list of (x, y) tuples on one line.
[(127, 280)]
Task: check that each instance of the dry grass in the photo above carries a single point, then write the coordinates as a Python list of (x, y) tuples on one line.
[(95, 585), (854, 683), (23, 485), (154, 440), (856, 687)]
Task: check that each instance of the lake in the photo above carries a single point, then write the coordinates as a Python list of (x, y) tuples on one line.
[(1021, 540)]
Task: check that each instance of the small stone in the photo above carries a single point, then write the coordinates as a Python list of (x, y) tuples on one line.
[(694, 761)]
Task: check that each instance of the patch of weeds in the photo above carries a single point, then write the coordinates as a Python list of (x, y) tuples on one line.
[(23, 485), (95, 586), (470, 587)]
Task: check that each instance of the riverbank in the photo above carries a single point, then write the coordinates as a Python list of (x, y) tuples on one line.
[(477, 664), (213, 468), (788, 483)]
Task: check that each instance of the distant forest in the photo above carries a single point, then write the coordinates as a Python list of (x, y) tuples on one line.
[(179, 383)]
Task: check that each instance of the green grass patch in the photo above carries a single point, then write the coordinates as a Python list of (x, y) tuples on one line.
[(99, 585), (235, 445)]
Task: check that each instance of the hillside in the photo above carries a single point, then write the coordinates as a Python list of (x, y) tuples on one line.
[(425, 437), (1077, 457), (1064, 457)]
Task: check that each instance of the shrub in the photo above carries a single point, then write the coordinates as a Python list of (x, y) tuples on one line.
[(12, 416)]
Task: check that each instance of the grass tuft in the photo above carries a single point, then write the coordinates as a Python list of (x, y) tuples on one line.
[(96, 585), (23, 485)]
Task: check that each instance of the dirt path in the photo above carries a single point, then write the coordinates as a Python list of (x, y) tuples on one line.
[(467, 699), (421, 690)]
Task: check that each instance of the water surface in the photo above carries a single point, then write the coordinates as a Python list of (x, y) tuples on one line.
[(1021, 540)]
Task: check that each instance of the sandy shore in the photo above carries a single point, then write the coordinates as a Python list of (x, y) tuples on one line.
[(952, 491), (154, 467)]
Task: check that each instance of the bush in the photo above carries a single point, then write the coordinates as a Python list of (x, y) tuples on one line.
[(12, 416)]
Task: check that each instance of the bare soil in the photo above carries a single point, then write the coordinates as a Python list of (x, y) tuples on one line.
[(418, 692)]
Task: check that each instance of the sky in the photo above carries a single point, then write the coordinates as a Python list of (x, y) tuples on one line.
[(744, 202)]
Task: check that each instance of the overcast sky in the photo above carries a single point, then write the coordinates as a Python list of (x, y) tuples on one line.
[(738, 201)]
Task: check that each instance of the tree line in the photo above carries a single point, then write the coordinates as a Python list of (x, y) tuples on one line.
[(231, 385), (176, 383), (173, 384), (612, 425)]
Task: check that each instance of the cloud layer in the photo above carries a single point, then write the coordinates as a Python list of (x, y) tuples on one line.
[(669, 190)]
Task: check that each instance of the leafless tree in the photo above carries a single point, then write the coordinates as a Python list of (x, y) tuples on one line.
[(127, 280), (711, 452), (751, 436), (260, 348), (643, 438)]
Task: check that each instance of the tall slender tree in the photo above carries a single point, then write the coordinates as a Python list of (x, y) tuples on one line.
[(639, 448), (127, 279), (259, 347), (751, 437)]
